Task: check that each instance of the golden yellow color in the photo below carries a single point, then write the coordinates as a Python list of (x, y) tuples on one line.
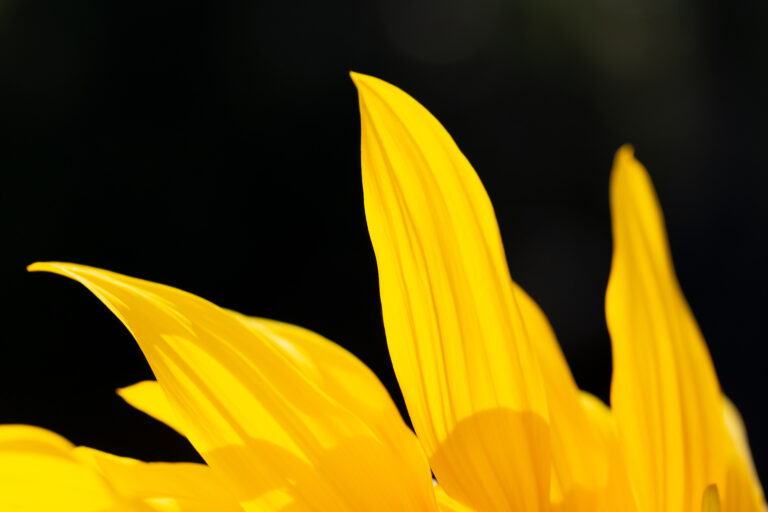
[(288, 421)]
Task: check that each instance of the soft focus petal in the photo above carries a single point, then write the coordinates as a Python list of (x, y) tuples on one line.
[(42, 472), (741, 455), (447, 504), (710, 501), (258, 407), (665, 395), (39, 472), (184, 487), (148, 397)]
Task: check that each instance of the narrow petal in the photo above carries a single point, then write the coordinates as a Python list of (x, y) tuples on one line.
[(710, 502), (148, 397), (665, 396), (468, 346), (257, 405)]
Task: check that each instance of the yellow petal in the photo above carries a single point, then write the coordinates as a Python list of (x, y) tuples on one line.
[(580, 459), (447, 504), (38, 472), (665, 395), (743, 487), (618, 492), (460, 333), (710, 502), (187, 487), (740, 493), (41, 471), (148, 397), (257, 406)]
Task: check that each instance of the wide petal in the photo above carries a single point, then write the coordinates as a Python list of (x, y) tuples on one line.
[(481, 371), (41, 471), (258, 406), (665, 396)]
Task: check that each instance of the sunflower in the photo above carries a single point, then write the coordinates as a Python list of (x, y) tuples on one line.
[(287, 420)]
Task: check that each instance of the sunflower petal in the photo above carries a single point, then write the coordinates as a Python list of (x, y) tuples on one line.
[(41, 471), (665, 395), (743, 490), (618, 492), (188, 487), (258, 407), (38, 472), (148, 397), (468, 346)]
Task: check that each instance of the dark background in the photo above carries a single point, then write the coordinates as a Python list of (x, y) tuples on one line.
[(215, 147)]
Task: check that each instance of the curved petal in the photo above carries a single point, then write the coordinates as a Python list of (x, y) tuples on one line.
[(665, 395), (468, 346), (42, 471), (258, 407)]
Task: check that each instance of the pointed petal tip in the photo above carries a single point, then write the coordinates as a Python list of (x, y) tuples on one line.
[(56, 267)]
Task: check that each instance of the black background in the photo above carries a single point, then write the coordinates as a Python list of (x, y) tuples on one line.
[(215, 147)]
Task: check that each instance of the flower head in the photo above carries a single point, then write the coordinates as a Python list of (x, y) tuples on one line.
[(287, 420)]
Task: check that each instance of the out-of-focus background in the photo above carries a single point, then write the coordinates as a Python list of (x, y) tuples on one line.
[(215, 147)]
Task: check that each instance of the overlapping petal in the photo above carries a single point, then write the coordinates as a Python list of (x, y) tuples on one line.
[(289, 420), (487, 388), (42, 471)]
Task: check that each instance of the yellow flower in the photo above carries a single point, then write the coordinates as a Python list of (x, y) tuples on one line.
[(287, 420)]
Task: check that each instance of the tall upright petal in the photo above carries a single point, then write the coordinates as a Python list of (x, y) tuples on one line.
[(468, 346), (665, 395), (262, 405)]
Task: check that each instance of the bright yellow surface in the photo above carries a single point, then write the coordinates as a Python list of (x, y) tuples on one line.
[(281, 414), (665, 395), (288, 421), (41, 471), (486, 386)]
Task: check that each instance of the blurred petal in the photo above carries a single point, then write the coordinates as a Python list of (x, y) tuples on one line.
[(187, 487), (259, 408), (148, 397), (710, 502), (41, 471), (665, 395), (460, 333), (743, 487), (447, 504), (38, 472)]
